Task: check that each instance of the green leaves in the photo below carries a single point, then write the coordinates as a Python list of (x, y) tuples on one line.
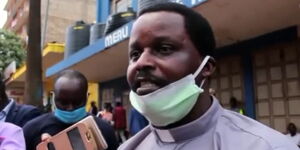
[(11, 49)]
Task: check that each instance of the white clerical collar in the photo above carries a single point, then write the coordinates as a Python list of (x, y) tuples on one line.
[(193, 129)]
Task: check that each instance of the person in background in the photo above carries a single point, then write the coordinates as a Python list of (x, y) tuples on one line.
[(234, 106), (12, 112), (170, 65), (106, 114), (94, 108), (137, 122), (119, 117), (11, 137), (70, 90), (293, 134)]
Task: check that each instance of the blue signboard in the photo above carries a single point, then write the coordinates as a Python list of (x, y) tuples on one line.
[(117, 35), (108, 41), (111, 39)]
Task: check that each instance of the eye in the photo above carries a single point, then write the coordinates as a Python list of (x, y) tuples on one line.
[(165, 49), (134, 54)]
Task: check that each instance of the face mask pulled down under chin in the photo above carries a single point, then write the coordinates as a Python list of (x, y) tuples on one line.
[(70, 116), (172, 102)]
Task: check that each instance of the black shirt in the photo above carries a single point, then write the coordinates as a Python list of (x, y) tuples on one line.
[(48, 123), (94, 110)]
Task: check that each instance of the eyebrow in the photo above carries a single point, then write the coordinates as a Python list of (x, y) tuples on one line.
[(134, 45), (156, 40), (163, 38)]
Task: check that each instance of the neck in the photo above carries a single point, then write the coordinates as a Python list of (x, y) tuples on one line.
[(3, 103), (202, 105)]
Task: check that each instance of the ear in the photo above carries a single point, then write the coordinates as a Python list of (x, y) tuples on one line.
[(209, 68)]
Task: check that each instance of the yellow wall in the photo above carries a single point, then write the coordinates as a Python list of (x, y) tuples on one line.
[(93, 95), (48, 85)]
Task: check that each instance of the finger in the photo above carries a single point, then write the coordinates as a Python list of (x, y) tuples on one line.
[(45, 137)]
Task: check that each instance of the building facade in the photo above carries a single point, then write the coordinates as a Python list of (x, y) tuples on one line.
[(56, 16), (17, 17), (258, 51)]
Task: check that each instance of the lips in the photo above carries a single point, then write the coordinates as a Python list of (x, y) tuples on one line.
[(146, 82), (146, 87)]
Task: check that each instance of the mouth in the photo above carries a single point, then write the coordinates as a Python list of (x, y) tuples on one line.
[(146, 87)]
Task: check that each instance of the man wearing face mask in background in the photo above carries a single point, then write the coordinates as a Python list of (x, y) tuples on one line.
[(70, 99), (169, 67)]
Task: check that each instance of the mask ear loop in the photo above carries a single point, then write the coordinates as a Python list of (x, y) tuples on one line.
[(204, 62), (202, 82), (53, 107)]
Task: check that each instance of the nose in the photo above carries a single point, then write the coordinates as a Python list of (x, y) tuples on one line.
[(146, 60)]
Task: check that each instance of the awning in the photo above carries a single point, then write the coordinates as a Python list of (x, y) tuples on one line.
[(232, 21), (52, 54)]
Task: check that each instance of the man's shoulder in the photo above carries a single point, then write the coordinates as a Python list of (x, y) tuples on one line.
[(24, 108), (20, 114), (248, 129), (42, 119)]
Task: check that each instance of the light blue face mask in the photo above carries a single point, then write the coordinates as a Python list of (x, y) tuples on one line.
[(70, 116)]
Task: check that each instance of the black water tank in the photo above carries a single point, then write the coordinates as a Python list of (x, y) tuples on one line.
[(77, 37), (117, 20), (142, 4), (97, 32)]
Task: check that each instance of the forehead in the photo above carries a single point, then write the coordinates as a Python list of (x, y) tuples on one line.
[(161, 23), (66, 84)]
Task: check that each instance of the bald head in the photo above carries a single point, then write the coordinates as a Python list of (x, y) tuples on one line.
[(69, 84), (70, 90)]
